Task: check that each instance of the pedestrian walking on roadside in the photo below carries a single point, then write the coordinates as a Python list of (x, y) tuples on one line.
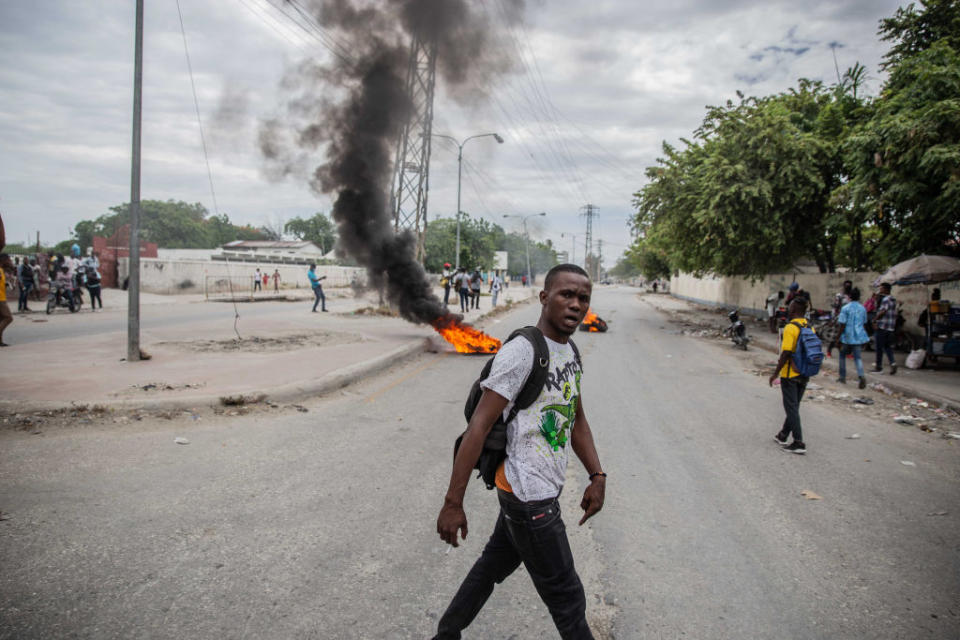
[(256, 280), (476, 281), (462, 283), (318, 297), (529, 527), (266, 280), (792, 384), (26, 280), (445, 282), (853, 335), (276, 280), (6, 318), (91, 266), (885, 324), (523, 281), (495, 285)]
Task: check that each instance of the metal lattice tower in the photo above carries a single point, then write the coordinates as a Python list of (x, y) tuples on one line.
[(408, 197), (589, 261)]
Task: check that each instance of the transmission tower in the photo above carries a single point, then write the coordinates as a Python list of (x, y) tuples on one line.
[(589, 262), (411, 180)]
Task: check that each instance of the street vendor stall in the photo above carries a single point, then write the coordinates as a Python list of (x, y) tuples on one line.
[(942, 338)]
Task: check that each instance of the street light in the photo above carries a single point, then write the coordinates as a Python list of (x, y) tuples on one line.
[(573, 246), (495, 136), (523, 221)]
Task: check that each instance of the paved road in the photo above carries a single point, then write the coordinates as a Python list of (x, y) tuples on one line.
[(321, 524)]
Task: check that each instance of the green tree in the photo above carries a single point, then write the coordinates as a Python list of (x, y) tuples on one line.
[(904, 158), (317, 229), (477, 242)]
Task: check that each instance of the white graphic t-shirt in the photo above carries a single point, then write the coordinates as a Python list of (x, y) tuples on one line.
[(538, 439)]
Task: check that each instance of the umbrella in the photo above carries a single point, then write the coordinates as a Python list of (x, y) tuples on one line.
[(923, 269)]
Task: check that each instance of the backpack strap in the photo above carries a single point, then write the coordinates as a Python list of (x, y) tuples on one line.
[(576, 353), (538, 373)]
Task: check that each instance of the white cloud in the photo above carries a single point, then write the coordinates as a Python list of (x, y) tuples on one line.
[(605, 83)]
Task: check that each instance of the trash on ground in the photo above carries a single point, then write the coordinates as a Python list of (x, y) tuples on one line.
[(905, 419), (907, 463), (937, 513), (876, 386), (813, 386), (300, 408), (180, 440), (862, 400), (951, 434), (917, 402), (810, 495), (819, 398), (854, 436), (840, 395)]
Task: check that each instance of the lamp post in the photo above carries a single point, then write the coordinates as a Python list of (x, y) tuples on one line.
[(573, 246), (526, 237), (495, 136)]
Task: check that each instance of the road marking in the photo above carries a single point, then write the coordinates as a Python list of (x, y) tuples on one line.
[(373, 396)]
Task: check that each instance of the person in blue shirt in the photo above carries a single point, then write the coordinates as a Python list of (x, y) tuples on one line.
[(319, 298), (853, 335)]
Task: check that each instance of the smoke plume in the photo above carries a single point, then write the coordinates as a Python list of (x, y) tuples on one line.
[(355, 109)]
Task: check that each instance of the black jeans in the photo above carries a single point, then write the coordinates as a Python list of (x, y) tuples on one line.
[(532, 533), (792, 390), (884, 345), (94, 292), (464, 300)]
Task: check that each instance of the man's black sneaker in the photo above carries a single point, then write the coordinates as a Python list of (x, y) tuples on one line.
[(842, 380), (878, 369), (893, 369), (796, 447), (781, 439), (863, 383)]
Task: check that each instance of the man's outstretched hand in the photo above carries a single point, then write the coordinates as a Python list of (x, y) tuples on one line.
[(593, 498), (452, 519)]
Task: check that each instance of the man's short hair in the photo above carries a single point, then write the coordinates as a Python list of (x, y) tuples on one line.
[(886, 285), (848, 282), (800, 302), (313, 266), (561, 268), (855, 293)]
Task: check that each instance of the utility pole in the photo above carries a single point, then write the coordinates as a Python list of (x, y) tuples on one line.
[(133, 304), (590, 212), (599, 256)]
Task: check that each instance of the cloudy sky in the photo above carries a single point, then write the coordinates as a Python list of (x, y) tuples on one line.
[(597, 87)]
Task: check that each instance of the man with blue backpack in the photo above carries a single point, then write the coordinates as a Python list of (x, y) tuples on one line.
[(801, 354)]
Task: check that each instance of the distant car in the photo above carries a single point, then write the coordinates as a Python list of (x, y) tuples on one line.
[(607, 281)]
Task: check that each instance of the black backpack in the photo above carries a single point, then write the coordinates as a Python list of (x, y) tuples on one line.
[(495, 446)]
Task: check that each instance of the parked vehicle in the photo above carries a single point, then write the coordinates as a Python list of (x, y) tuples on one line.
[(737, 330)]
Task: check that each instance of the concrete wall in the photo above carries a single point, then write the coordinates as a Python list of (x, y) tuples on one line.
[(185, 254), (197, 276), (750, 296)]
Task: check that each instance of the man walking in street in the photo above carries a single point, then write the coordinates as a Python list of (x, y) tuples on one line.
[(476, 282), (462, 283), (853, 336), (529, 528), (792, 384), (495, 286), (25, 278), (445, 282), (318, 297), (885, 324)]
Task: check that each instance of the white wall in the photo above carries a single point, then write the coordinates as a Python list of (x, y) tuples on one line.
[(750, 296), (192, 276), (185, 254)]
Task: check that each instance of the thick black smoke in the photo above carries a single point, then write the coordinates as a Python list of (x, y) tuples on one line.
[(358, 106)]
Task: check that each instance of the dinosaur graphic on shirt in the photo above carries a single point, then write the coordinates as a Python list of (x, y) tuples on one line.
[(557, 420)]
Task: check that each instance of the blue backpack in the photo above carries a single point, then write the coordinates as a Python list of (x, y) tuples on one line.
[(808, 355)]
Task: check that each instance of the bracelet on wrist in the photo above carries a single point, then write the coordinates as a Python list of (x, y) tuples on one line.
[(597, 473)]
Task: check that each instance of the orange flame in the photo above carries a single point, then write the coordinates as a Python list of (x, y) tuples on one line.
[(463, 337), (592, 322)]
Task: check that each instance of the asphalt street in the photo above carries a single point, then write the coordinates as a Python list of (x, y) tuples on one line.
[(321, 524)]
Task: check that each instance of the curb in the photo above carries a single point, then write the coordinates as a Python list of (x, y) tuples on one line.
[(284, 393)]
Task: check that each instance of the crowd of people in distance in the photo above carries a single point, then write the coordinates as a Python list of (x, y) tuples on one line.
[(469, 285)]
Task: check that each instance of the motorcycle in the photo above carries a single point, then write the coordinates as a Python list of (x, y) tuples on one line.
[(59, 297), (737, 330)]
